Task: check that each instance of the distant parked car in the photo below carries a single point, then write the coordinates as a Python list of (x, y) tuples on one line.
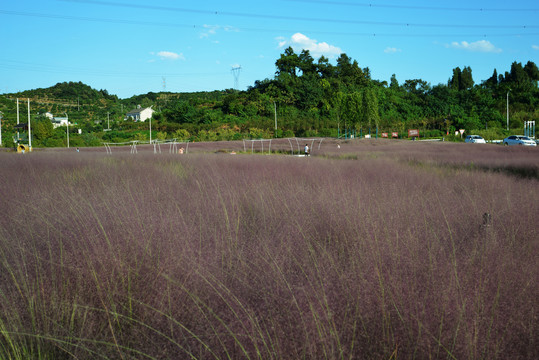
[(519, 140), (474, 139)]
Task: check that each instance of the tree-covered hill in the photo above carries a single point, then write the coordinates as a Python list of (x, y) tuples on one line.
[(306, 97), (70, 91)]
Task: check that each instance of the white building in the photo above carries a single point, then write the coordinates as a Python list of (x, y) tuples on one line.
[(140, 114), (56, 121), (59, 121)]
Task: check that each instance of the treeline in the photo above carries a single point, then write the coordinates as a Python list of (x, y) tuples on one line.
[(316, 98), (306, 97), (346, 92)]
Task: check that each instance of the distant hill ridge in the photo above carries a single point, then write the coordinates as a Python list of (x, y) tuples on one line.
[(68, 91)]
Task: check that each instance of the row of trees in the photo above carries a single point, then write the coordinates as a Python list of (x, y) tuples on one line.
[(317, 98), (346, 91), (308, 98)]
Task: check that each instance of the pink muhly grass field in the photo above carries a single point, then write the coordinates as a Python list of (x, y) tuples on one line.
[(374, 250)]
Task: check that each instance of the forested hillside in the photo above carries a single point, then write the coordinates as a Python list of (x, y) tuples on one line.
[(306, 97)]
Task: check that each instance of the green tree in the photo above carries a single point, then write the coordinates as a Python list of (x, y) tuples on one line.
[(532, 71), (462, 79), (349, 72), (42, 128), (416, 86), (352, 109), (306, 63), (393, 84), (454, 82), (324, 68), (180, 112), (466, 80), (492, 82), (287, 63), (517, 76), (370, 111)]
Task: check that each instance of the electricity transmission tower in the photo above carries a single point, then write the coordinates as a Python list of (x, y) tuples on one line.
[(164, 91), (236, 72)]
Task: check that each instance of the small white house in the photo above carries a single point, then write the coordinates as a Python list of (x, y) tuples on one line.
[(59, 121), (55, 120), (140, 114)]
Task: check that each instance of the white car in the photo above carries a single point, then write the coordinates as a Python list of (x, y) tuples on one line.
[(474, 139), (519, 140)]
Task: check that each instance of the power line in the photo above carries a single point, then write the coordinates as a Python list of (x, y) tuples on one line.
[(288, 18), (411, 7), (92, 19), (401, 34)]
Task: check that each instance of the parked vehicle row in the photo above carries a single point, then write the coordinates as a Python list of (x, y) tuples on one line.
[(510, 140)]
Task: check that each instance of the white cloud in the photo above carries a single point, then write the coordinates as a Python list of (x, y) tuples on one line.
[(281, 40), (212, 30), (168, 55), (477, 46), (300, 42), (535, 47), (391, 50)]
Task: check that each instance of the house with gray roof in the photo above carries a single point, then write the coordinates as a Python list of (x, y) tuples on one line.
[(140, 114)]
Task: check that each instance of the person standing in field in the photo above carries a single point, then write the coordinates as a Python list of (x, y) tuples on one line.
[(306, 149)]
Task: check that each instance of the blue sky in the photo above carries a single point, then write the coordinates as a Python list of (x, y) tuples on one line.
[(137, 46)]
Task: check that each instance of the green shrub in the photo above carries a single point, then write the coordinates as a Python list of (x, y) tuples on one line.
[(91, 140)]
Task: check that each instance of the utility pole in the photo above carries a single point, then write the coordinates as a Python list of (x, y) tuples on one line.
[(108, 120), (275, 112), (29, 128), (508, 109), (67, 131), (1, 128), (18, 120)]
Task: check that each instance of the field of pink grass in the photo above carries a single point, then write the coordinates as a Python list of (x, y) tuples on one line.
[(369, 250)]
